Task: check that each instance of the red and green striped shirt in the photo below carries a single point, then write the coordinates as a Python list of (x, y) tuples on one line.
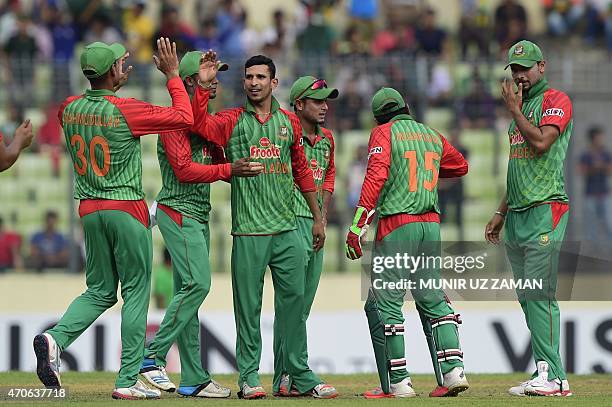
[(264, 204)]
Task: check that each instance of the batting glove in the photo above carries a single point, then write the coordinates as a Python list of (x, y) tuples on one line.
[(358, 230)]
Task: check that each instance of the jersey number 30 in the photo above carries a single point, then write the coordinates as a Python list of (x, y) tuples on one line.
[(430, 157), (80, 163)]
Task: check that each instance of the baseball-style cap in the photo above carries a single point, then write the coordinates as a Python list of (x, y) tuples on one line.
[(387, 100), (312, 88), (524, 53), (190, 64), (118, 49), (96, 60)]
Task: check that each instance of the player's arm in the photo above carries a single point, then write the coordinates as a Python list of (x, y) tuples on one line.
[(302, 176), (330, 179), (178, 151), (495, 225), (540, 138), (452, 164), (213, 127), (377, 173), (21, 140)]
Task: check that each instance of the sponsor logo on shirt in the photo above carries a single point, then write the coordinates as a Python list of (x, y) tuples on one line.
[(375, 150), (313, 163), (553, 111), (516, 137), (265, 149)]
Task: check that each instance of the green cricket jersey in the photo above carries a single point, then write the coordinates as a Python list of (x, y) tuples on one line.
[(102, 135), (264, 204), (533, 178), (406, 158), (320, 158)]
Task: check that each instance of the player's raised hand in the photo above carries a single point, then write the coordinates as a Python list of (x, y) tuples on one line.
[(208, 68), (123, 78), (24, 134), (246, 168), (318, 235), (493, 229), (167, 60), (513, 100)]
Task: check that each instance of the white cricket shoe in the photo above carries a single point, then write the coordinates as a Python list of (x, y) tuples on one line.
[(47, 360), (156, 375), (212, 389), (454, 382), (137, 391), (401, 389), (541, 386), (247, 392), (519, 390)]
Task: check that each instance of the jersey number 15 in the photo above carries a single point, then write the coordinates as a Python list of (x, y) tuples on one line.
[(430, 158)]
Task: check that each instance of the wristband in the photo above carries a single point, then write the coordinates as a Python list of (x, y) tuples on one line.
[(503, 215)]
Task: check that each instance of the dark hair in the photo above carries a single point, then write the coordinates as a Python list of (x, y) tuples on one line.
[(386, 118), (51, 214), (261, 60), (167, 257), (594, 131)]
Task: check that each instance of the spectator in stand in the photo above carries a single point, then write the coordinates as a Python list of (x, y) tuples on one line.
[(318, 38), (475, 29), (48, 248), (280, 34), (397, 37), (139, 29), (510, 23), (562, 16), (429, 37), (209, 36), (163, 283), (101, 29), (596, 166), (231, 21), (63, 36), (10, 249), (49, 139), (19, 55), (355, 175), (349, 107), (178, 31), (353, 44), (363, 13), (477, 108), (9, 13)]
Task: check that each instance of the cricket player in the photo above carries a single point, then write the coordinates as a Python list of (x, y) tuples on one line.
[(535, 207), (102, 134), (264, 226), (405, 160), (21, 140), (309, 96), (188, 165)]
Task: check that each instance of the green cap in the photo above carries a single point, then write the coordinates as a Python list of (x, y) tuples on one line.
[(302, 88), (118, 49), (96, 60), (524, 53), (387, 100), (190, 64)]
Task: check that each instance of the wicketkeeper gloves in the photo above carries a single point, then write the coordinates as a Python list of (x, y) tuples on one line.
[(359, 228)]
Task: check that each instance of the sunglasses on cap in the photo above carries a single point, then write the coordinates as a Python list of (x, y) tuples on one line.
[(317, 84)]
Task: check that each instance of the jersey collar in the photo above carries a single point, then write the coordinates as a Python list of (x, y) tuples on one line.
[(318, 133), (248, 106), (536, 90), (402, 116), (99, 92)]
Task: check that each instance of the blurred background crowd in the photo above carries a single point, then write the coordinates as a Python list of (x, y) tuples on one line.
[(446, 57)]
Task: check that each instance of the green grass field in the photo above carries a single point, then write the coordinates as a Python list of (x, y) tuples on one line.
[(95, 389)]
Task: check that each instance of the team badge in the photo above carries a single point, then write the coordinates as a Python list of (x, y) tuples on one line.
[(519, 50), (544, 240), (284, 133)]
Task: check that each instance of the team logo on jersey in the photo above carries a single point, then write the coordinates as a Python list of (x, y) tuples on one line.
[(265, 149), (284, 133), (375, 150), (326, 154), (544, 240), (206, 153), (554, 112), (519, 50)]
